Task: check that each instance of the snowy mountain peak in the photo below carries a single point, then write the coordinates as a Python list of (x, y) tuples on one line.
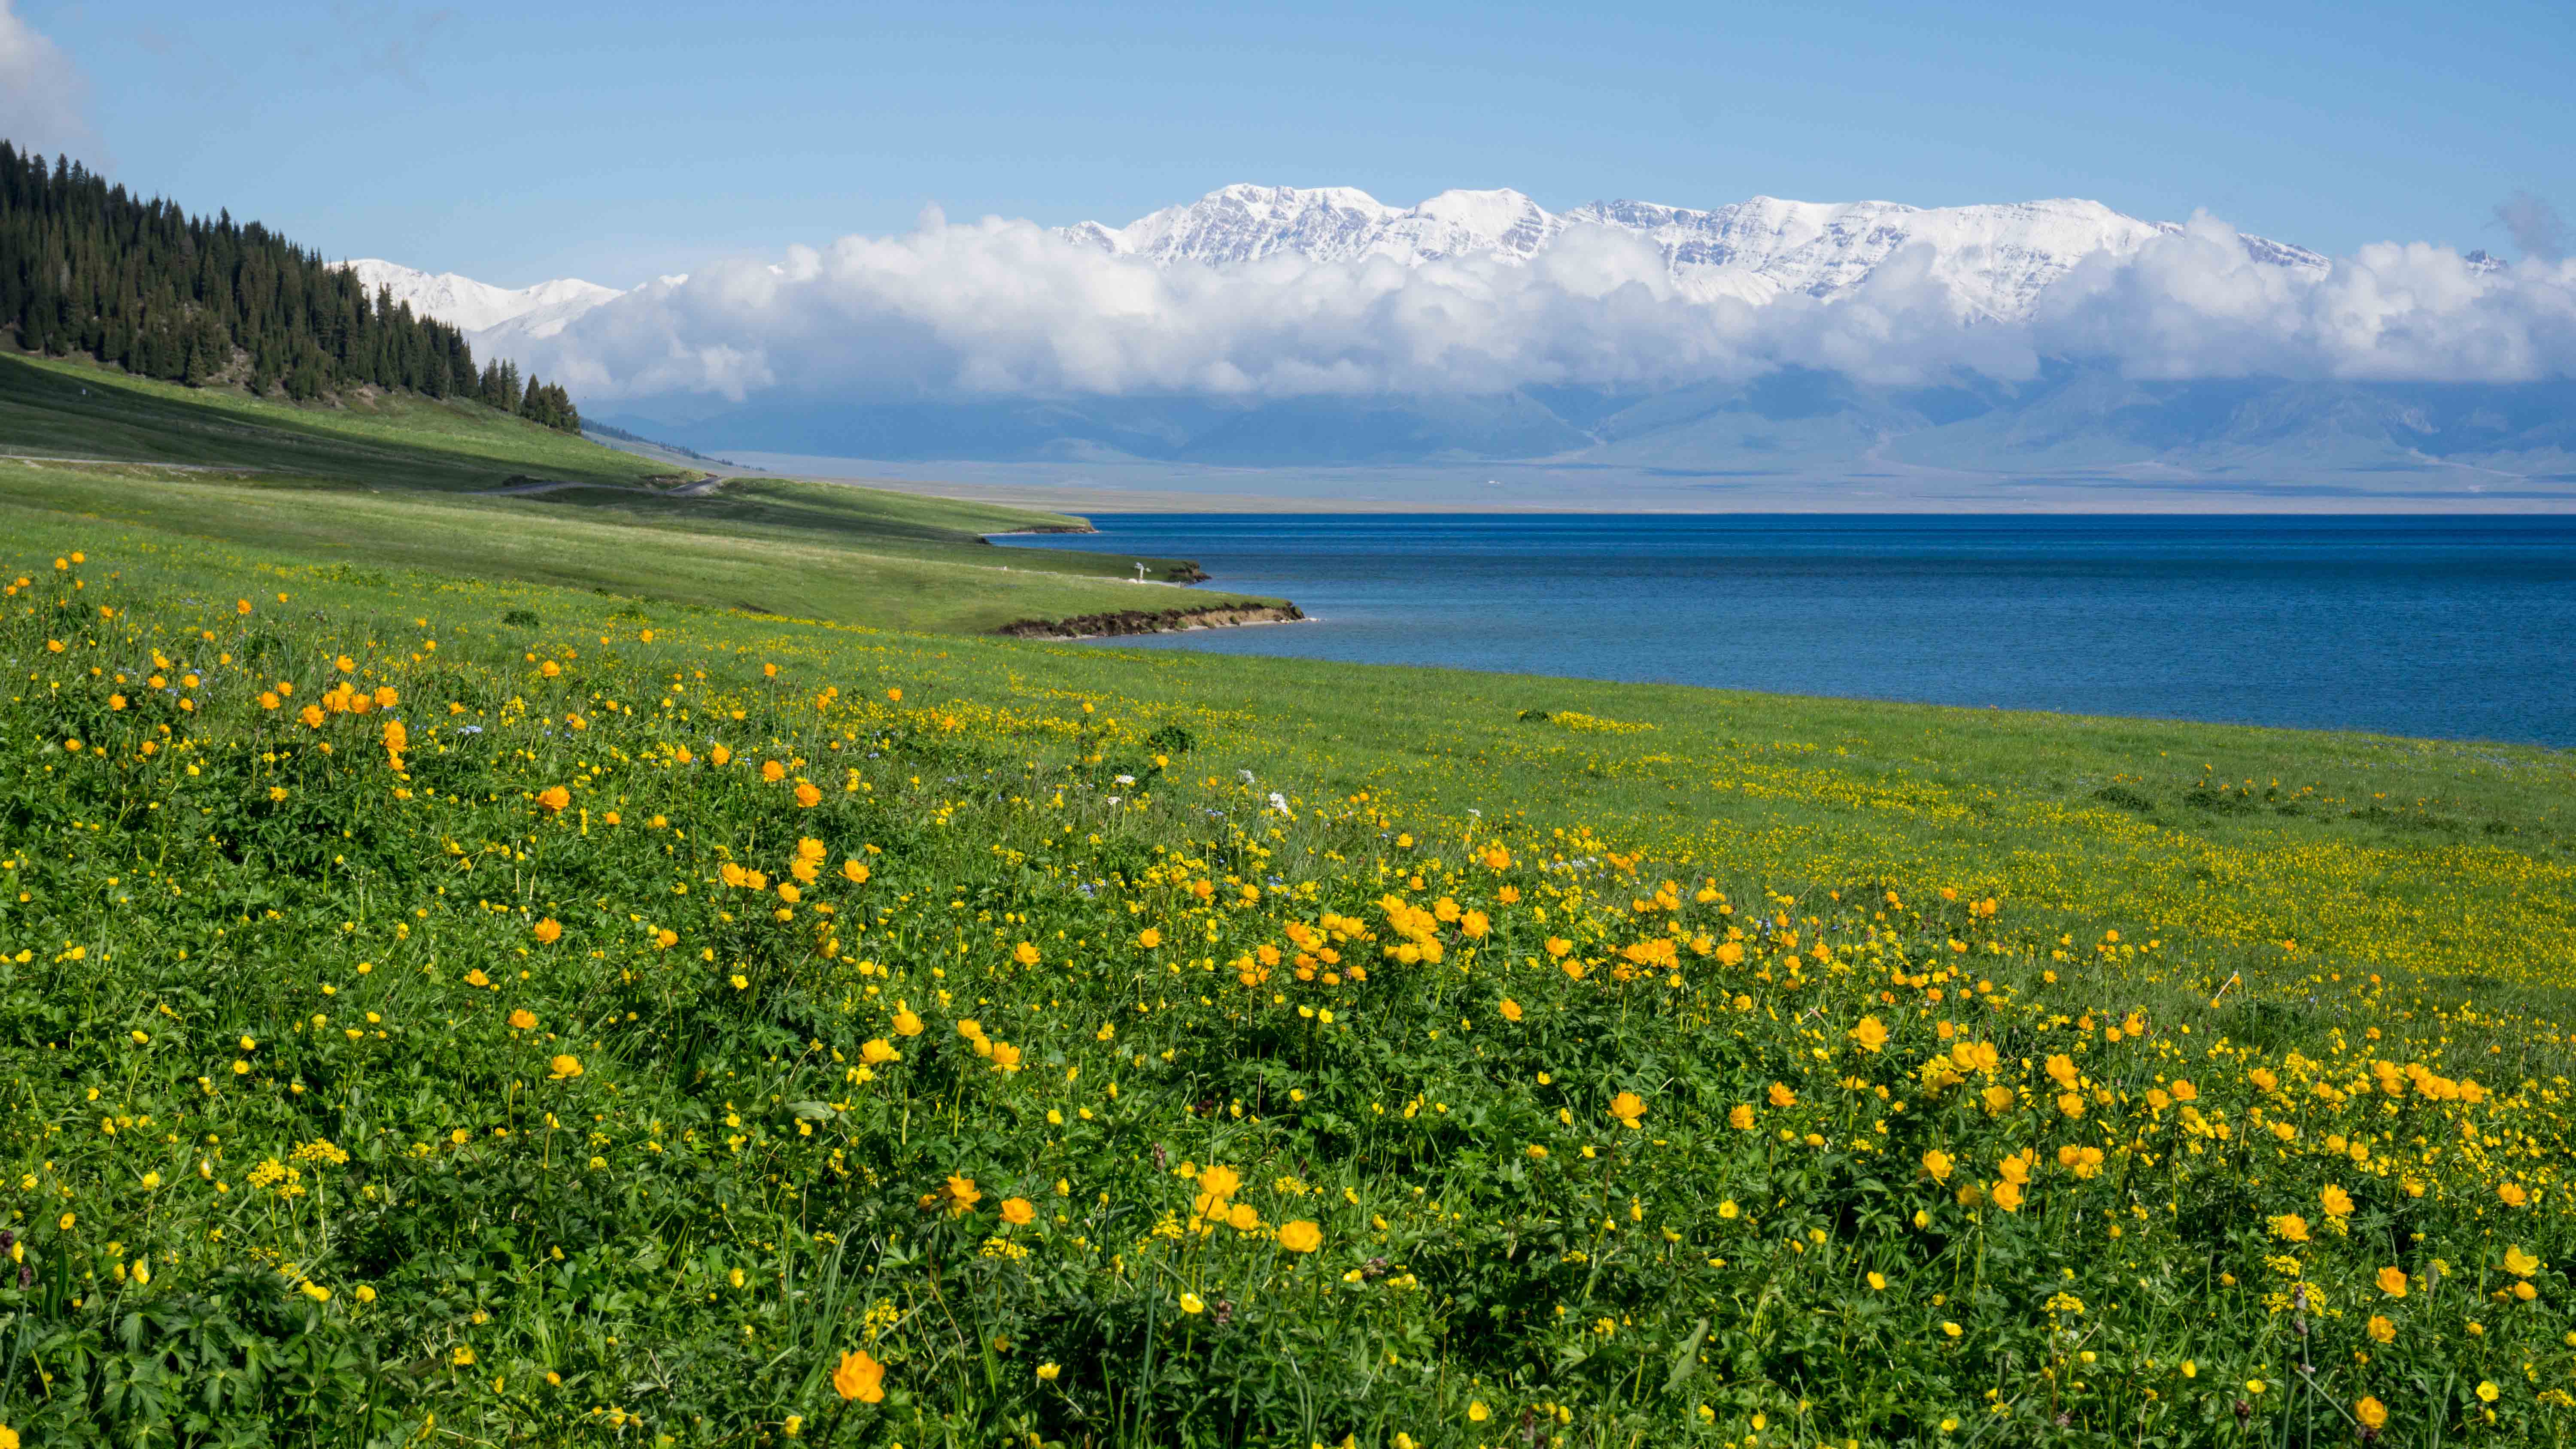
[(473, 306), (1995, 259)]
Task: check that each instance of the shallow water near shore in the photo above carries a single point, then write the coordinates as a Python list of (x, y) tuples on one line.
[(2460, 628)]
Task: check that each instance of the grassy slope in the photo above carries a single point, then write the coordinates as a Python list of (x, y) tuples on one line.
[(396, 483), (2450, 869)]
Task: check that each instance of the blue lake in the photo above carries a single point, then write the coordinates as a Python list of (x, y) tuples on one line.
[(2453, 627)]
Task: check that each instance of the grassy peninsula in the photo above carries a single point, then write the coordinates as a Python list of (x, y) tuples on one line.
[(400, 480)]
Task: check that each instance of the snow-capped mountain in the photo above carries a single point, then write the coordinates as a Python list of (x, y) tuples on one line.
[(475, 306), (1996, 259)]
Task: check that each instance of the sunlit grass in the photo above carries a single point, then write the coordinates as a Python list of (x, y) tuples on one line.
[(440, 1007)]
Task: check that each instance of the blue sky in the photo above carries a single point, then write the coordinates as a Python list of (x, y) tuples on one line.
[(613, 141)]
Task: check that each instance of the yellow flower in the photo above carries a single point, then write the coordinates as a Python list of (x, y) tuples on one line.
[(2338, 1203), (1019, 1211), (1220, 1182), (878, 1051), (1937, 1165), (905, 1023), (1877, 1282), (2007, 1195), (1628, 1107), (1950, 1329), (2392, 1281), (2487, 1391), (1149, 938), (2255, 1386), (564, 1068), (859, 1377), (2372, 1413), (854, 871), (1781, 1096), (1192, 1303), (523, 1019), (1871, 1034), (1025, 954), (2290, 1228), (2519, 1263), (1740, 1117), (961, 1195), (2381, 1330), (1049, 1372), (1477, 1413), (1301, 1236), (463, 1357), (2512, 1194)]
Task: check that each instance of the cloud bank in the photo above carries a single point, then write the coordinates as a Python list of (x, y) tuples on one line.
[(1000, 309), (43, 97)]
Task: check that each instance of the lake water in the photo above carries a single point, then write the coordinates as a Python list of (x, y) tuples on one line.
[(2460, 628)]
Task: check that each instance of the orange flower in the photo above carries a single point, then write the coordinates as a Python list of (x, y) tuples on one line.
[(1781, 1096), (1511, 1009), (1301, 1236), (859, 1377), (1149, 938), (2007, 1196), (855, 872), (2372, 1413), (554, 797), (548, 930), (2512, 1194), (2337, 1202), (772, 771), (1019, 1211), (961, 1195), (1740, 1117), (2392, 1281), (523, 1020), (807, 795)]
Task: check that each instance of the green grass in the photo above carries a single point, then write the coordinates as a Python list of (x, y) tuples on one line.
[(400, 481), (1630, 1286), (260, 1027)]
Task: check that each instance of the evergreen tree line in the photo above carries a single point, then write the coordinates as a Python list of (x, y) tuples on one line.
[(86, 268)]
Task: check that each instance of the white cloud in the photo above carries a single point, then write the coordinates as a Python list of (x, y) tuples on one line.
[(43, 97), (1007, 309)]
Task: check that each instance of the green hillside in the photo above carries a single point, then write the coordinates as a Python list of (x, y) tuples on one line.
[(400, 479)]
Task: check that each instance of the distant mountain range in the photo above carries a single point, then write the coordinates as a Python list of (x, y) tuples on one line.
[(1996, 259), (2076, 419)]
